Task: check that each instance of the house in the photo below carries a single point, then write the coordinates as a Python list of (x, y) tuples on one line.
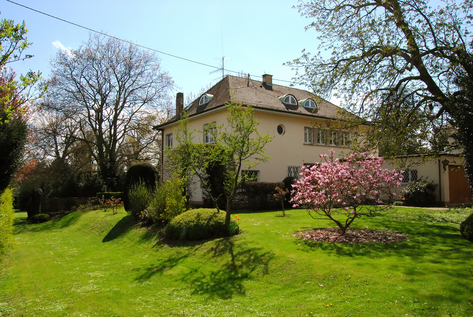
[(445, 171), (302, 125)]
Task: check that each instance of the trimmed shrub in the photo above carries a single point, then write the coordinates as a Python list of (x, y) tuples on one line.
[(139, 198), (288, 182), (141, 172), (199, 224), (38, 218), (6, 220), (419, 193), (259, 195), (466, 228), (168, 201)]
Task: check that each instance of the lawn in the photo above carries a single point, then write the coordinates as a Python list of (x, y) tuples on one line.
[(94, 263)]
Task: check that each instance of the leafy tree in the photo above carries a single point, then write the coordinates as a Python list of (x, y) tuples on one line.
[(104, 86), (400, 56), (238, 144), (343, 187)]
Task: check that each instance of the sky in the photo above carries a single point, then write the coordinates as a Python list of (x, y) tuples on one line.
[(255, 37)]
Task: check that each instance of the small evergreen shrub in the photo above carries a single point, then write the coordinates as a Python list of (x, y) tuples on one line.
[(168, 201), (466, 228), (419, 193), (288, 182), (141, 172), (39, 218), (139, 198), (199, 224), (6, 220)]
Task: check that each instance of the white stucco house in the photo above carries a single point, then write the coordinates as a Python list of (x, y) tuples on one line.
[(302, 125)]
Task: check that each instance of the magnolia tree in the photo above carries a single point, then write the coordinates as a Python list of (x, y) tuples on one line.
[(343, 187)]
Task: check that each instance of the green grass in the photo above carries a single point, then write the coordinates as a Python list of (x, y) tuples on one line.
[(97, 264)]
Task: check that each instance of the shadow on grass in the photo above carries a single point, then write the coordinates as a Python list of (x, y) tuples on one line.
[(234, 265), (226, 268), (122, 227), (22, 224)]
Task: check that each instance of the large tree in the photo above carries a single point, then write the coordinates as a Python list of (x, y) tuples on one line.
[(104, 86), (14, 94), (390, 60)]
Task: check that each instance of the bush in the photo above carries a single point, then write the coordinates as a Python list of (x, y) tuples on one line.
[(288, 182), (6, 220), (259, 195), (466, 228), (167, 202), (142, 172), (38, 218), (109, 195), (199, 224), (139, 198), (419, 193)]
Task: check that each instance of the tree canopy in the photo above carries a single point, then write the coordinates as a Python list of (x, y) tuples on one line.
[(390, 60), (105, 88)]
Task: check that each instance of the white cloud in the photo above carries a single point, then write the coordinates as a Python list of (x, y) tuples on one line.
[(59, 45)]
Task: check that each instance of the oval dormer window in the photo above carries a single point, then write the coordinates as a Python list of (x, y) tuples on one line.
[(309, 103), (205, 98), (289, 100)]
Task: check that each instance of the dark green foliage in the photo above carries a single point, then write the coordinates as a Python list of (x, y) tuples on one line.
[(288, 181), (38, 218), (215, 177), (466, 228), (109, 195), (419, 193), (139, 198), (259, 195), (13, 136), (34, 202), (199, 224), (141, 172)]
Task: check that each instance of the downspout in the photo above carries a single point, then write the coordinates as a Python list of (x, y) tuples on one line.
[(440, 182)]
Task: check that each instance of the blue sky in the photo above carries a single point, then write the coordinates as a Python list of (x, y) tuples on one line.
[(257, 37)]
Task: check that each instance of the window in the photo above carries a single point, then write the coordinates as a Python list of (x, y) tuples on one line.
[(308, 135), (309, 103), (250, 175), (281, 129), (409, 176), (321, 136), (288, 100), (345, 138), (205, 98), (333, 138), (209, 132), (169, 140), (293, 171)]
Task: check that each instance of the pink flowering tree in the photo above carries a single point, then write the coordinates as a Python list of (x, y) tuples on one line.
[(352, 187)]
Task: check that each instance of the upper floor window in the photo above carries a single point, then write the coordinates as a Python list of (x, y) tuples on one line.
[(321, 136), (205, 98), (309, 103), (169, 140), (308, 135), (209, 132), (288, 100), (333, 138), (345, 138)]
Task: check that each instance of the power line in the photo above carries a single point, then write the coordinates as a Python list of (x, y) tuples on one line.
[(129, 42)]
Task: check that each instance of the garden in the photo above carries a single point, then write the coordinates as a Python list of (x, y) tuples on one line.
[(102, 263)]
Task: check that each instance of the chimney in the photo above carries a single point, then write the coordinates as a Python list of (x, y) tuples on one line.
[(268, 81), (179, 104)]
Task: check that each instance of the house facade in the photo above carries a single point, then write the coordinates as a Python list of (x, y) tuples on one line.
[(302, 125), (445, 171)]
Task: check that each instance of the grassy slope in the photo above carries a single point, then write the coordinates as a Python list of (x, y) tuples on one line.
[(97, 264)]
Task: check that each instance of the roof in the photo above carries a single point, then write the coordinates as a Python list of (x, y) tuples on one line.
[(260, 96)]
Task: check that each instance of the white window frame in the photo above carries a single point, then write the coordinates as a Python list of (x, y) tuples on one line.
[(333, 138), (345, 139), (169, 140), (209, 133), (308, 135), (321, 136)]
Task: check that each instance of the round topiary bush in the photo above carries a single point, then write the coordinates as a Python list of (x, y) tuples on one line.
[(466, 228), (38, 218), (419, 193), (136, 174), (199, 224)]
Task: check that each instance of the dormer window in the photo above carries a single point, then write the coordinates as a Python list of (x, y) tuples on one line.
[(309, 103), (205, 98), (288, 100)]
